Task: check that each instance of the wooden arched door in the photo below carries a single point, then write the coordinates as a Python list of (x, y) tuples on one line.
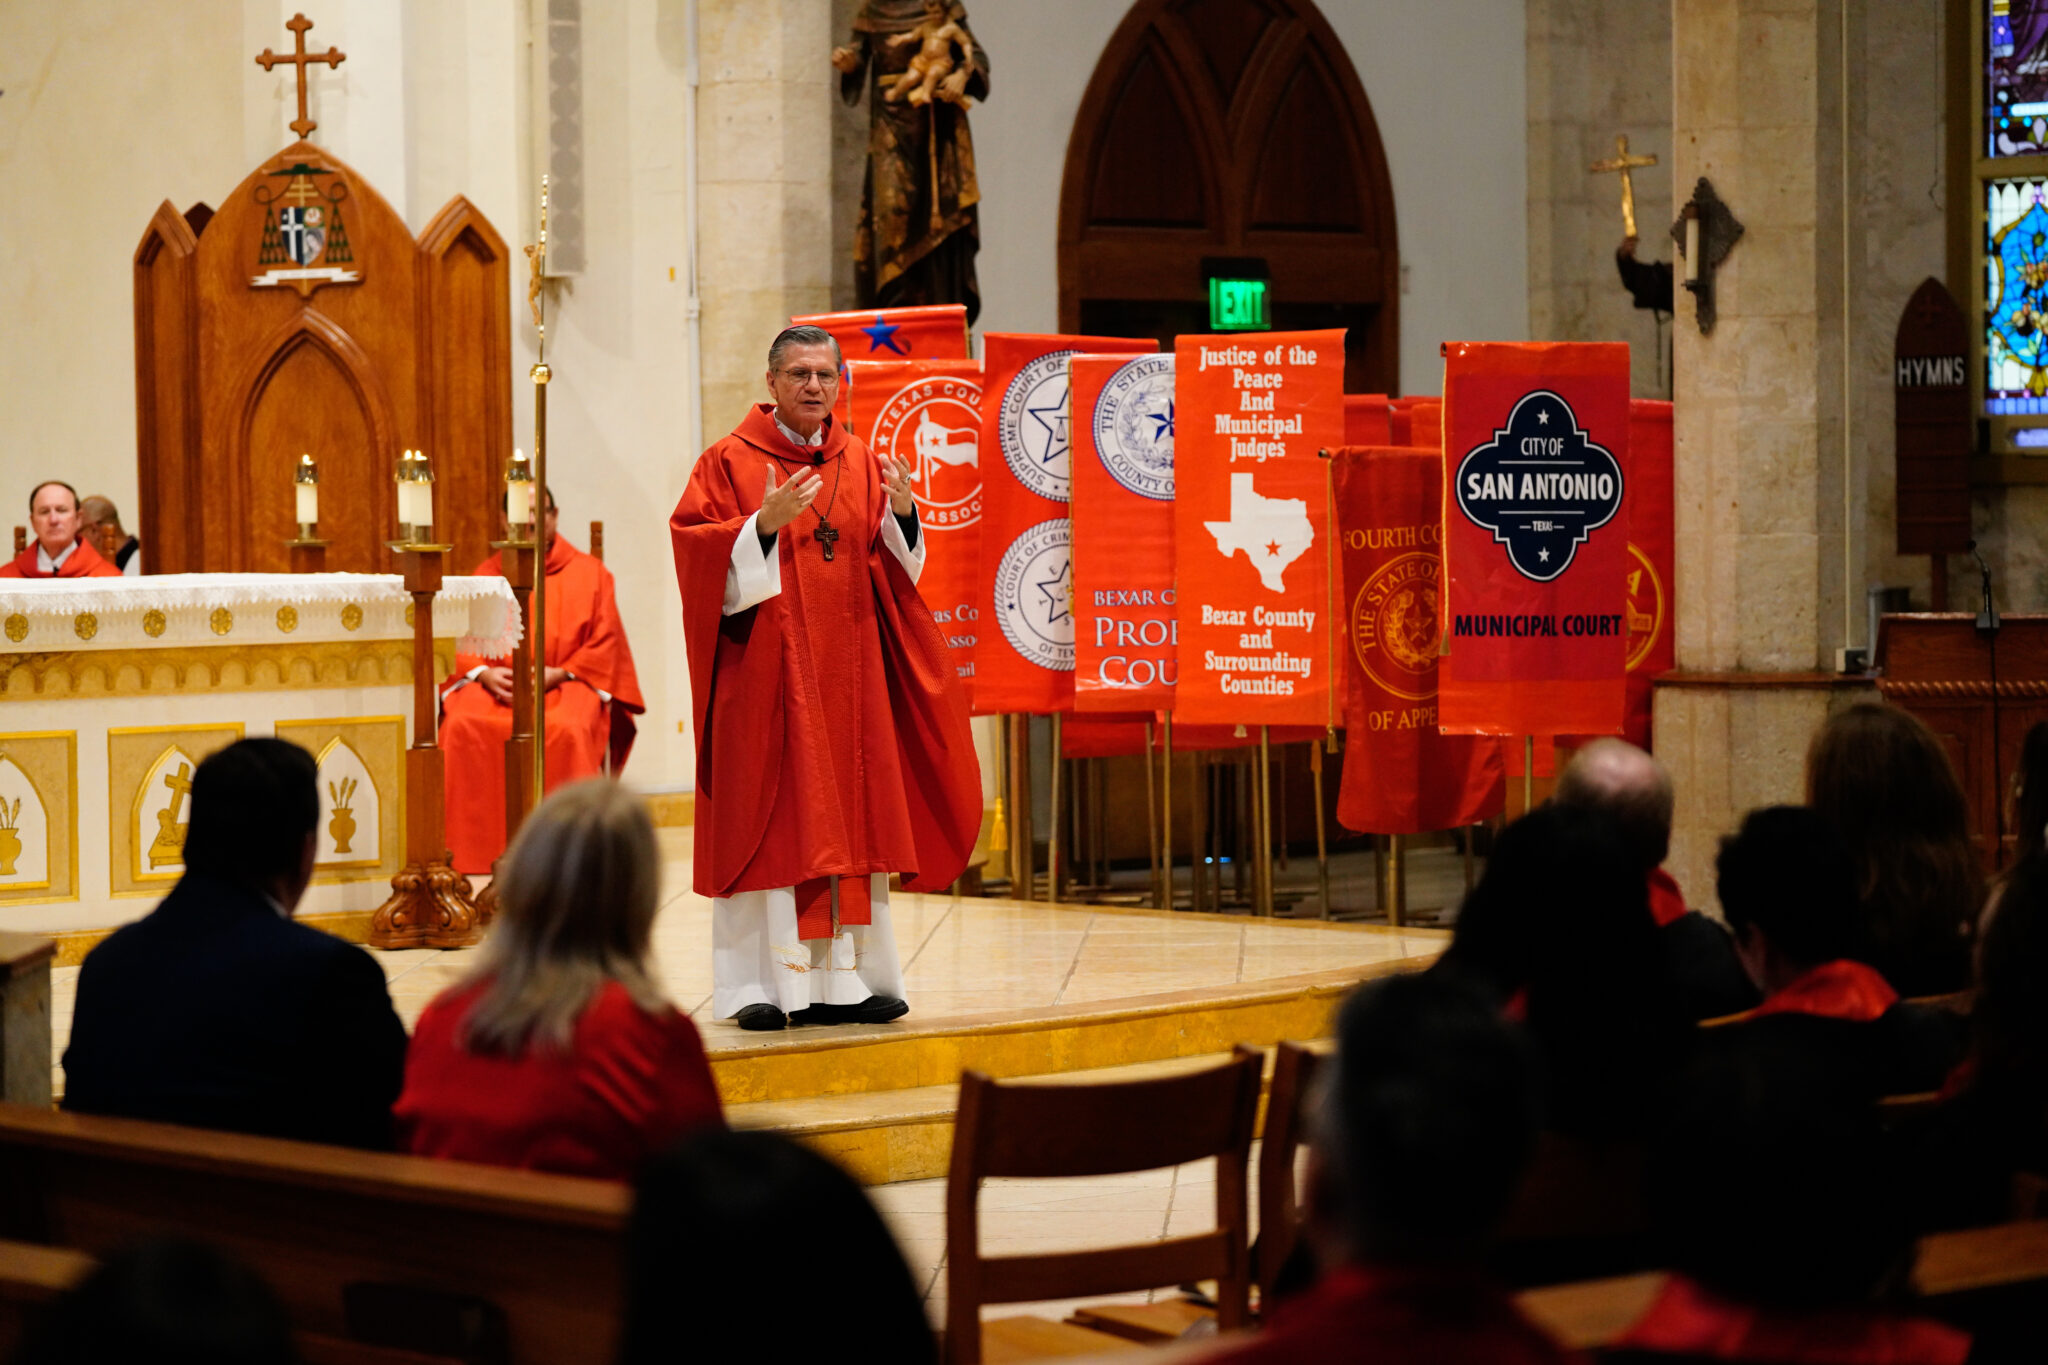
[(1230, 131)]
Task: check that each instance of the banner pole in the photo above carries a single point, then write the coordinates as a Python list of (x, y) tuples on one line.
[(1394, 892), (1152, 814), (1055, 868), (1528, 773), (1315, 768), (1264, 889), (1021, 873), (1166, 817)]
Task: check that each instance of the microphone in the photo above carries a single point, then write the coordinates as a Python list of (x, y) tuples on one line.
[(1987, 615)]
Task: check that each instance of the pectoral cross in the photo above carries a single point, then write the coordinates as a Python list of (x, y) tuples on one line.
[(1623, 162), (301, 58), (828, 536)]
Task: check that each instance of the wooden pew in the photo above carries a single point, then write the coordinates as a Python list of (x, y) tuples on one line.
[(547, 1251)]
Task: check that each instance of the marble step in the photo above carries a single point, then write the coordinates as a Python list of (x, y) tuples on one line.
[(887, 1136), (893, 1059)]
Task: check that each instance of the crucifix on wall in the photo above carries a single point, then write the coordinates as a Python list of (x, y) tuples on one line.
[(301, 59)]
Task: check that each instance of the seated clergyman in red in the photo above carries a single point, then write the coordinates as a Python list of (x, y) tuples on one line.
[(592, 696), (1431, 1083), (57, 552)]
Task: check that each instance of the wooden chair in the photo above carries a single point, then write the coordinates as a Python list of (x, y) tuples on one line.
[(1044, 1131), (320, 1223), (1582, 1211), (20, 539), (1294, 1074), (597, 541)]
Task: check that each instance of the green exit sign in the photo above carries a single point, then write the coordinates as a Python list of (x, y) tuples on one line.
[(1238, 306)]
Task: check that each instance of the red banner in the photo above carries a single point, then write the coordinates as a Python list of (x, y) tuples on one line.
[(1368, 419), (933, 332), (1535, 537), (1251, 526), (1024, 651), (1653, 554), (1401, 775), (1104, 736), (1124, 623), (926, 414)]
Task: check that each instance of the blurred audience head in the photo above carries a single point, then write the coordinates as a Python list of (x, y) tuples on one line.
[(255, 807), (578, 891), (1884, 781), (714, 1224), (2030, 793), (168, 1302), (1423, 1126), (1630, 787), (2010, 1019), (1789, 894)]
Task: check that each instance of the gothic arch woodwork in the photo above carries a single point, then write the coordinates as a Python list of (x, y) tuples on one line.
[(264, 331), (1230, 128)]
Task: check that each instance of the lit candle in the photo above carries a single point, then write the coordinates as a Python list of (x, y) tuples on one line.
[(416, 494), (518, 493), (306, 492)]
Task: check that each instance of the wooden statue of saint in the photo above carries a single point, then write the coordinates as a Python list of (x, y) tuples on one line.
[(919, 221)]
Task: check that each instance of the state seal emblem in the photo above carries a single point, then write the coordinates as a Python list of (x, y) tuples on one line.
[(1645, 608), (1397, 625), (934, 427), (1034, 595), (1541, 485), (1031, 426), (1134, 426)]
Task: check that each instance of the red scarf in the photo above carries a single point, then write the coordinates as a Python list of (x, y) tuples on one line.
[(1689, 1320), (1667, 902), (1841, 989)]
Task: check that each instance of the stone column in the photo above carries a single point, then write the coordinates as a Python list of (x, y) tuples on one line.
[(1757, 94), (764, 142)]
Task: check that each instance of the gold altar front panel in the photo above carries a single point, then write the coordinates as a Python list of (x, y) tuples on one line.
[(377, 744), (149, 774), (38, 817)]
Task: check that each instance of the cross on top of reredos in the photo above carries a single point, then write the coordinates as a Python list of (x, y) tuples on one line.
[(301, 59)]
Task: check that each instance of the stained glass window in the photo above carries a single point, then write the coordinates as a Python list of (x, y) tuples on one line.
[(2016, 77), (2016, 296)]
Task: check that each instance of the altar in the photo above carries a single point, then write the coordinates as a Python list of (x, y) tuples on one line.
[(112, 690)]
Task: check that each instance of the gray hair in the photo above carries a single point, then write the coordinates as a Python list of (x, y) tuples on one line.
[(578, 893), (802, 335)]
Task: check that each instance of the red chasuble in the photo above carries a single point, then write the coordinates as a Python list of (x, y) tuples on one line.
[(84, 562), (832, 735), (586, 637)]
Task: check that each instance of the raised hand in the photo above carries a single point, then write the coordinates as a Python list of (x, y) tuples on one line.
[(896, 478), (784, 504)]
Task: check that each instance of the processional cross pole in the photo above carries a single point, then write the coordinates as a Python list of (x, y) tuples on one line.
[(1621, 161), (537, 653), (299, 24)]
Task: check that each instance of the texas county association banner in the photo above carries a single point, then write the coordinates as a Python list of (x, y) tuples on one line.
[(1401, 774), (926, 415), (1124, 623), (1251, 526), (1535, 537), (1024, 650), (930, 332)]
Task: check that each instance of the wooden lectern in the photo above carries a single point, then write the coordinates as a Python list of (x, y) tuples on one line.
[(1941, 668)]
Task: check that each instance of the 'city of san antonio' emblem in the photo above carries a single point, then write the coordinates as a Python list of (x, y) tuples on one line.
[(305, 242), (1541, 485)]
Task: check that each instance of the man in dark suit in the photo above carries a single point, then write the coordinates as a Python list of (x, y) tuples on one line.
[(217, 1010), (1632, 789)]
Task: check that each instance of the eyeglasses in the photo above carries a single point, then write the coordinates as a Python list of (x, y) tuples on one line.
[(827, 379)]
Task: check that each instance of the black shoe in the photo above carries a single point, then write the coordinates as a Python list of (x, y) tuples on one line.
[(761, 1018), (876, 1009)]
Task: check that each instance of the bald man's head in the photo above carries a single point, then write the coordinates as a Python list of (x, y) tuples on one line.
[(1628, 786)]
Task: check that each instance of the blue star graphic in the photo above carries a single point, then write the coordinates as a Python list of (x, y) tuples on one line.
[(1054, 420), (1162, 423), (1055, 590), (882, 337)]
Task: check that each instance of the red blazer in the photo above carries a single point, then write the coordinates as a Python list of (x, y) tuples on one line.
[(629, 1085)]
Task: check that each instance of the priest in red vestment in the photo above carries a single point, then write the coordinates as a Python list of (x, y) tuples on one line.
[(832, 738), (57, 552), (593, 695)]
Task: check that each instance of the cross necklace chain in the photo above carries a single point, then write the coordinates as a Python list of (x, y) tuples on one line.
[(827, 534)]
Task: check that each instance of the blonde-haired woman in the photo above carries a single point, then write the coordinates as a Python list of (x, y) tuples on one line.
[(559, 1051)]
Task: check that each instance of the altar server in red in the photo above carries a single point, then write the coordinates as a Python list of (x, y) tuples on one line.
[(593, 695), (57, 551), (832, 738)]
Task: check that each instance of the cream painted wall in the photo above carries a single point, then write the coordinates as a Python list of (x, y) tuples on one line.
[(1446, 80)]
